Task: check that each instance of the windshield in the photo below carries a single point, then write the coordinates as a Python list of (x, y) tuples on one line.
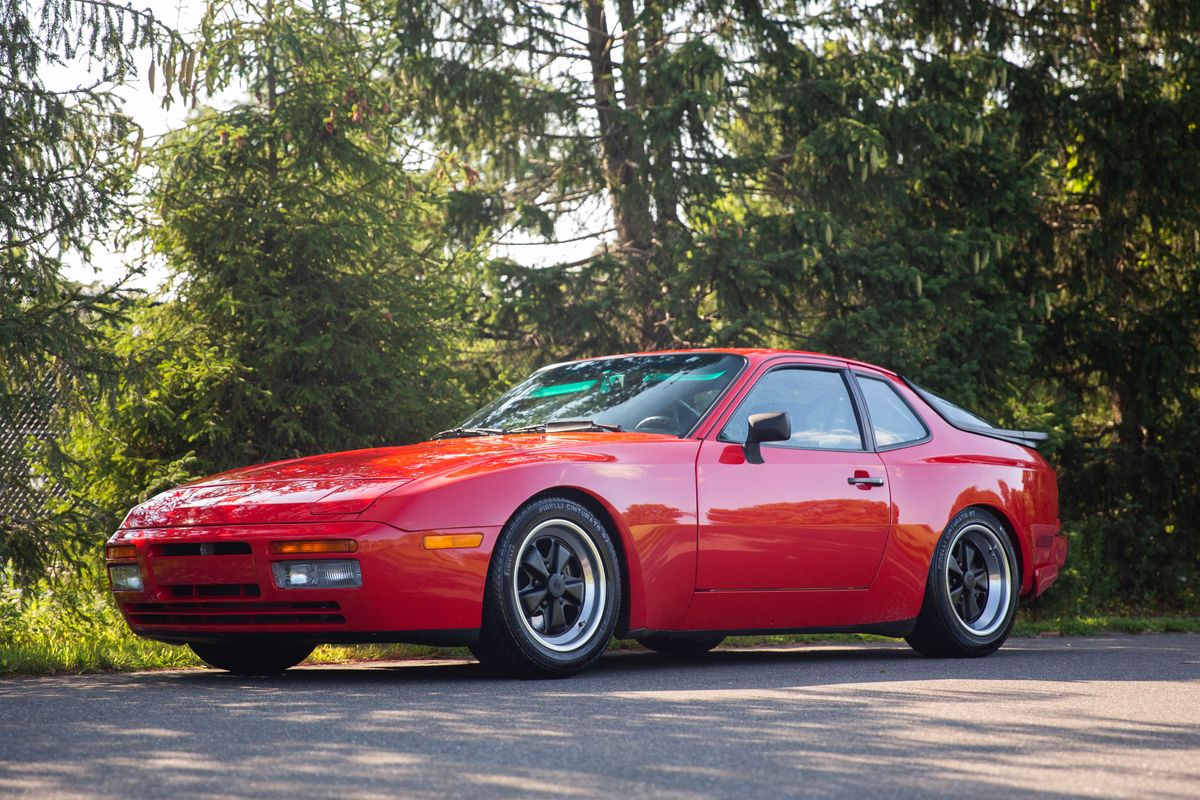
[(653, 393)]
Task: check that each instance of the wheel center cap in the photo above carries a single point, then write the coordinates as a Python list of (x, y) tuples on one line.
[(555, 586), (969, 581)]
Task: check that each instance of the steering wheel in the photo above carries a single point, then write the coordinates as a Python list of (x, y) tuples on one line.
[(658, 424)]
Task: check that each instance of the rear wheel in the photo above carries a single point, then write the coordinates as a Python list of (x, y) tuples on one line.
[(252, 659), (680, 645), (553, 592), (972, 591)]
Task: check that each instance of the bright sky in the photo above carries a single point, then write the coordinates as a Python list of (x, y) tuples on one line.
[(110, 264)]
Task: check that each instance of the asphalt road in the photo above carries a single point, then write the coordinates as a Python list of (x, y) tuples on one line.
[(1104, 717)]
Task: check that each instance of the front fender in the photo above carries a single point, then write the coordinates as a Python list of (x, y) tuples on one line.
[(648, 489)]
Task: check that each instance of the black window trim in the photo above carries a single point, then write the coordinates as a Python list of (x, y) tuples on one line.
[(859, 374), (1030, 439), (866, 436)]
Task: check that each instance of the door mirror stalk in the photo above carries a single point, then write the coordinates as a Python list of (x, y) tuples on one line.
[(773, 426)]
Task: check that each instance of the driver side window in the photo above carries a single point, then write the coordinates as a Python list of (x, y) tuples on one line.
[(817, 402)]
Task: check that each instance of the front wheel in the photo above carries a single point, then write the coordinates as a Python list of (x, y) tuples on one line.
[(553, 592), (252, 659), (972, 591)]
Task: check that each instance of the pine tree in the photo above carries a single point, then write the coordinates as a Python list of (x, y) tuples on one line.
[(315, 305), (563, 106), (65, 169)]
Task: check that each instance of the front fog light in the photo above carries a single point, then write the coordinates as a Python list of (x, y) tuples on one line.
[(323, 574), (125, 578)]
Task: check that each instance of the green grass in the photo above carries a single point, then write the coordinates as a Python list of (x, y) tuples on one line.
[(110, 651), (116, 650), (75, 629), (340, 654)]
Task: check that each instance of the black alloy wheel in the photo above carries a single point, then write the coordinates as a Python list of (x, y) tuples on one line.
[(972, 591), (553, 592)]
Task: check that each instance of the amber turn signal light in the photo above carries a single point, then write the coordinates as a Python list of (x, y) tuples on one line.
[(314, 546), (115, 551), (448, 541)]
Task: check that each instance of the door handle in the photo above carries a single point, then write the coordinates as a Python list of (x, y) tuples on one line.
[(859, 481)]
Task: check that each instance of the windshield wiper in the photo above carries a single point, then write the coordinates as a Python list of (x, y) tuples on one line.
[(568, 426), (456, 433)]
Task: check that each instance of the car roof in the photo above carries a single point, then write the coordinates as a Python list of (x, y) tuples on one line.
[(755, 355)]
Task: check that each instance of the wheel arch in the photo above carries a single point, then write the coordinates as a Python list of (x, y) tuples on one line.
[(611, 520)]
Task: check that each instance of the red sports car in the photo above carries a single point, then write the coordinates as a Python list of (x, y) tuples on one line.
[(674, 498)]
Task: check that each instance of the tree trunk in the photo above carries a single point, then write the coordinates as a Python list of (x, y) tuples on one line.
[(623, 162)]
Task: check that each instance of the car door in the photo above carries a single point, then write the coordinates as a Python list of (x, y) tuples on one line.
[(815, 514)]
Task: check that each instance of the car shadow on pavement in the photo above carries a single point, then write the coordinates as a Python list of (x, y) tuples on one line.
[(1060, 660)]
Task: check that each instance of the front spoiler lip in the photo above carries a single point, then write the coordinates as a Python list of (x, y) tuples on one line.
[(449, 637)]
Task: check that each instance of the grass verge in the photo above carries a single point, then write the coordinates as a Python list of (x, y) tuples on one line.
[(108, 646)]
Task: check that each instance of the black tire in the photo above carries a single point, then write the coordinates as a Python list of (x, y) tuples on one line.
[(252, 659), (964, 617), (554, 552), (680, 645)]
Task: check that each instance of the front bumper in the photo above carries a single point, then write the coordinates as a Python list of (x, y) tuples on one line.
[(215, 584)]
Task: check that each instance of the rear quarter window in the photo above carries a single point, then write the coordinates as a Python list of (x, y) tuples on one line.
[(893, 422), (955, 415)]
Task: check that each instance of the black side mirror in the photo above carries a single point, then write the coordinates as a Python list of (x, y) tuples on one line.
[(770, 427)]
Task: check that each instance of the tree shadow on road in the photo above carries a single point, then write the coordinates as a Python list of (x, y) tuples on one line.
[(871, 719)]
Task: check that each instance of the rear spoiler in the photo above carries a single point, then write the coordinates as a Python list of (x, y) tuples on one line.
[(1031, 439), (1027, 438)]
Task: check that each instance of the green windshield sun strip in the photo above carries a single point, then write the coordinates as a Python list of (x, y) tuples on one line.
[(555, 389), (683, 376)]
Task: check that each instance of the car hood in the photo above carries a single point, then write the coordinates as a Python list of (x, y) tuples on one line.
[(340, 485)]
